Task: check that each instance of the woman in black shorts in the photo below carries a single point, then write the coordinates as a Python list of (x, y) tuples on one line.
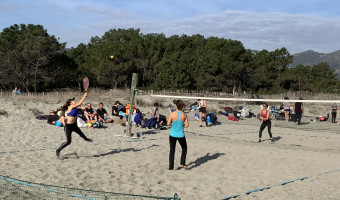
[(202, 104)]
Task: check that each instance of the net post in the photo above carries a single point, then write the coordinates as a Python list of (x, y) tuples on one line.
[(132, 102)]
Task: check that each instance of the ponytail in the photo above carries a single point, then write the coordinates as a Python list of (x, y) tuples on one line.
[(65, 106), (180, 105)]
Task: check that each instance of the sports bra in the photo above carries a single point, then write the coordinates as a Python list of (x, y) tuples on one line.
[(73, 113)]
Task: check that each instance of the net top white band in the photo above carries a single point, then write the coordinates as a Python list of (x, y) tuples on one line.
[(248, 100)]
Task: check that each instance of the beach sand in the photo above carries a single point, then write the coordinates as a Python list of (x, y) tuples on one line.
[(223, 160)]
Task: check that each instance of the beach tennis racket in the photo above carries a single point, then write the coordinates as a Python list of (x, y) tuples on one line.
[(86, 83)]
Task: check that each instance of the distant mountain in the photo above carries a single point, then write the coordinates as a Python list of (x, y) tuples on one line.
[(311, 58)]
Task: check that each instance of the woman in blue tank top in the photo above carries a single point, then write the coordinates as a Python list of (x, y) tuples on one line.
[(179, 120)]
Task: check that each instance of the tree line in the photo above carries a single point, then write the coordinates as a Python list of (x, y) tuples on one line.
[(35, 61)]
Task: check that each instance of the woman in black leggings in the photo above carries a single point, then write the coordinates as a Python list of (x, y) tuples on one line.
[(71, 122), (265, 122)]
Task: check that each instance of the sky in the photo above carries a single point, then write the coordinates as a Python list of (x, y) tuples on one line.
[(298, 25)]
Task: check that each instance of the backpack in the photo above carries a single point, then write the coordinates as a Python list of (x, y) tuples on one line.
[(212, 117), (228, 109), (97, 124)]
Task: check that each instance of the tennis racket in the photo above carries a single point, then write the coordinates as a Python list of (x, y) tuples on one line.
[(86, 83)]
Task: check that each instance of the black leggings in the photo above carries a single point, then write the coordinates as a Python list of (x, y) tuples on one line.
[(334, 116), (183, 144), (263, 125), (69, 128)]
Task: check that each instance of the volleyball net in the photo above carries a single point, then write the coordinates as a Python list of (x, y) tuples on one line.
[(15, 189), (247, 100)]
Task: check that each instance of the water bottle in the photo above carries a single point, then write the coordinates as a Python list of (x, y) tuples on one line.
[(124, 132), (208, 119)]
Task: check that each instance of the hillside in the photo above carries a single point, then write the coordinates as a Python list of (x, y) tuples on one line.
[(311, 58)]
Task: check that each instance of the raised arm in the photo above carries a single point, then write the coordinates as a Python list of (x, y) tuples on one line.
[(81, 100)]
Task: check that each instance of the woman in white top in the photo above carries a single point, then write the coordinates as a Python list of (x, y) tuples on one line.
[(286, 108)]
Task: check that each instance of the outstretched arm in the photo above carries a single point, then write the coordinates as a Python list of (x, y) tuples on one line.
[(81, 100)]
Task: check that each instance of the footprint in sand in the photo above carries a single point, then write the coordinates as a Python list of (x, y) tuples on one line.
[(73, 155)]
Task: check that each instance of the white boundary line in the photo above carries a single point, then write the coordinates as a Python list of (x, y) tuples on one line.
[(252, 100)]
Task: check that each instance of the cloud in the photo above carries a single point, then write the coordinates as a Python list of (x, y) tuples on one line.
[(296, 32), (76, 23)]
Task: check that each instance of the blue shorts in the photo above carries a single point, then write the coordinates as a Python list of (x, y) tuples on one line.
[(57, 123)]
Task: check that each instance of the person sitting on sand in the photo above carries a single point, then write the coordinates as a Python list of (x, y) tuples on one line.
[(179, 121), (89, 113), (117, 108), (102, 114), (264, 117), (71, 122), (138, 118), (54, 119), (154, 113)]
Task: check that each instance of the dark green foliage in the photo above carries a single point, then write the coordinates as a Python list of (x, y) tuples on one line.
[(25, 51), (32, 59)]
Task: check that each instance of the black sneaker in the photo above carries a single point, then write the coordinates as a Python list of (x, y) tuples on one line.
[(57, 153), (89, 140)]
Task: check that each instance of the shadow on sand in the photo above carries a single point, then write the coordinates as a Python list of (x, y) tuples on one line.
[(123, 150), (204, 159)]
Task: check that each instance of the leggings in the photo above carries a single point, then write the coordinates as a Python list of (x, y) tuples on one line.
[(183, 144), (263, 125), (69, 128), (333, 116)]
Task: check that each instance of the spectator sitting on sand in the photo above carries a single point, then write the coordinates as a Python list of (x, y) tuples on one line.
[(154, 113), (54, 119), (138, 118), (117, 108), (89, 113), (102, 114)]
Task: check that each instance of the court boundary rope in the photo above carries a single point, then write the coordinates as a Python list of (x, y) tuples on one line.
[(280, 184)]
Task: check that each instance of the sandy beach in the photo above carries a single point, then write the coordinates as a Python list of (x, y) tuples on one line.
[(223, 160)]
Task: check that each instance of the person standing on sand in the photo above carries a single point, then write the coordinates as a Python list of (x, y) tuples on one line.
[(179, 121), (264, 117), (71, 122), (286, 108), (298, 109), (202, 104), (14, 92), (334, 109)]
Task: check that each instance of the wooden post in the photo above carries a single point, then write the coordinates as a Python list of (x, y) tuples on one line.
[(132, 102)]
